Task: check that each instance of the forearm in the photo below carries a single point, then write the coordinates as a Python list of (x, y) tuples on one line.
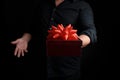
[(27, 37), (86, 20)]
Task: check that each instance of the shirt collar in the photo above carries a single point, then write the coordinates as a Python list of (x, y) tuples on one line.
[(75, 0), (72, 0)]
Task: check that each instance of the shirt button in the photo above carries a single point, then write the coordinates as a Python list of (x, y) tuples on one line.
[(54, 9), (52, 19)]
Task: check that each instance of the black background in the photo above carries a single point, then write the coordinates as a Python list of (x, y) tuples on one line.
[(94, 59)]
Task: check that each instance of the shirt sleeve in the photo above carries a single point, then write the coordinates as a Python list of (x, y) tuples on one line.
[(86, 21)]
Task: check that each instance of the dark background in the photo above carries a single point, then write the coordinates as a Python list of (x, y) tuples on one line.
[(94, 59)]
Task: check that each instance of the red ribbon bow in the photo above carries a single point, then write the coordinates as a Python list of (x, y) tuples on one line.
[(62, 33)]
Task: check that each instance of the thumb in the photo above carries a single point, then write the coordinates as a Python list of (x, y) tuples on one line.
[(14, 42)]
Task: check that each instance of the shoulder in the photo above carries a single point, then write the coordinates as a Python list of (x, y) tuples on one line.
[(81, 3)]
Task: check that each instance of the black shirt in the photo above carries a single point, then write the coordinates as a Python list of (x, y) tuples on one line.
[(75, 12)]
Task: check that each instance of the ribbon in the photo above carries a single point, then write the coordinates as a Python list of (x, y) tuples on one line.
[(62, 33)]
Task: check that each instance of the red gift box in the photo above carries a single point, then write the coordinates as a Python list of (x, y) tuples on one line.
[(63, 41), (63, 48)]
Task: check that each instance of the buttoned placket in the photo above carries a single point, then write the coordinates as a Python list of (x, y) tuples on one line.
[(52, 18)]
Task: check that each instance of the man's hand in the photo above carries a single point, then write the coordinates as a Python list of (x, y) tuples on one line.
[(85, 40), (21, 45)]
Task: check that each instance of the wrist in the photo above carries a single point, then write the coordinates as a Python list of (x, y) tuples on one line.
[(26, 37)]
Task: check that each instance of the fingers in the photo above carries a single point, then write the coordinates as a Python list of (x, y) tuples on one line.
[(14, 42), (16, 50), (22, 53), (26, 50), (19, 52), (21, 47)]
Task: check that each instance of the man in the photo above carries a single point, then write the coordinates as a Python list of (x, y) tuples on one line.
[(80, 15)]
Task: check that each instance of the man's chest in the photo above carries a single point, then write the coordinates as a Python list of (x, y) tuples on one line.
[(65, 14)]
